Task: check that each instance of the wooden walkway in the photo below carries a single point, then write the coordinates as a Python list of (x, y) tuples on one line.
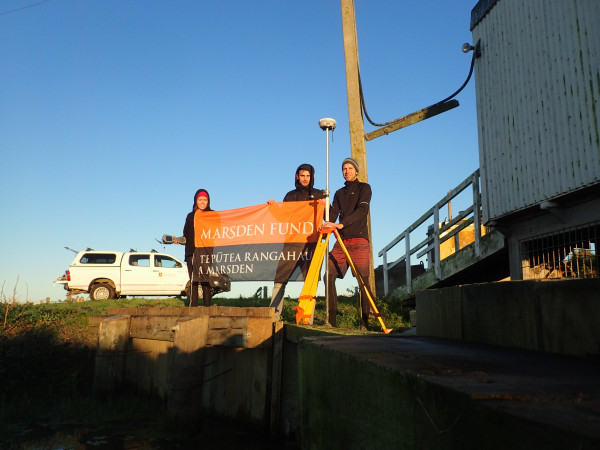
[(456, 250), (464, 266)]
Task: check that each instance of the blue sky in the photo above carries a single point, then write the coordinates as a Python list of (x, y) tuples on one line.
[(113, 113)]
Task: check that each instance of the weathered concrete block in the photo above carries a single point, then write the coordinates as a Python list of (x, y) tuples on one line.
[(113, 338), (440, 313), (186, 360), (428, 393), (558, 316), (500, 314)]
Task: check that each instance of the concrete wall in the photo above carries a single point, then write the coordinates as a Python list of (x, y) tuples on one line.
[(346, 389), (371, 392), (215, 360), (557, 316)]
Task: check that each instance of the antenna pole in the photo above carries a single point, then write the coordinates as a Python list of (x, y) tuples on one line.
[(326, 125)]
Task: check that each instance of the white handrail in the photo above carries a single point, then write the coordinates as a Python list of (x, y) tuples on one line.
[(440, 233)]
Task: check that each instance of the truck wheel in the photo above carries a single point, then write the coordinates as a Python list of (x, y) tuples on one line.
[(101, 291)]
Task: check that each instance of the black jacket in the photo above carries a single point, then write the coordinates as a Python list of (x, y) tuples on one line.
[(188, 228), (351, 204), (301, 192)]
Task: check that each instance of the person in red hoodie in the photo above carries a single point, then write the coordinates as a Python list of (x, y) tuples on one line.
[(201, 203)]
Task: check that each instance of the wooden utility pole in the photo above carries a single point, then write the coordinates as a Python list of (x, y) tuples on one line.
[(356, 124)]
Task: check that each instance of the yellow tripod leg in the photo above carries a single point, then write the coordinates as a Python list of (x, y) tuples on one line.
[(306, 303), (361, 282)]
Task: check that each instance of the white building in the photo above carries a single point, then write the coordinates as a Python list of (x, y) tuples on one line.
[(538, 112)]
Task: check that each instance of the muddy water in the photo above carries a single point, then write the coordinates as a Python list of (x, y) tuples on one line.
[(127, 435)]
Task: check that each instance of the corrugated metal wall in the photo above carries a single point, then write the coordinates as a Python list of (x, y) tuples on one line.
[(538, 101)]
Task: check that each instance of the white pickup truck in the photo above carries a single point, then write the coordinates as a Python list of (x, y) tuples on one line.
[(108, 274)]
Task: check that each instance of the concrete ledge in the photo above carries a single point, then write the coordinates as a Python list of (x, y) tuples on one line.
[(558, 316), (427, 393)]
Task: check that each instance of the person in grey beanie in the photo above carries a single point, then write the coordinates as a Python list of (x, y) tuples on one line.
[(351, 205)]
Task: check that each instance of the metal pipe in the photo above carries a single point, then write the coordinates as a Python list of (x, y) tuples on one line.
[(327, 124)]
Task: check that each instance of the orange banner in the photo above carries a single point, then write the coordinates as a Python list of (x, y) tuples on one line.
[(278, 222), (257, 243)]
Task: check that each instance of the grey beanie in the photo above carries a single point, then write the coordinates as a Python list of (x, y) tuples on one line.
[(350, 161)]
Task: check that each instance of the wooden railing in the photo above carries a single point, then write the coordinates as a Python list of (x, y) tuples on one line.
[(440, 232)]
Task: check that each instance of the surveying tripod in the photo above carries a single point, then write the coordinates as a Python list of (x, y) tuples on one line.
[(306, 303)]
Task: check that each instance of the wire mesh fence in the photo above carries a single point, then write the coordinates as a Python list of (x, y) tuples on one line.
[(569, 254)]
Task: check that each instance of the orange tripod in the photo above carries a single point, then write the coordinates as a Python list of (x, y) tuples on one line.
[(306, 303)]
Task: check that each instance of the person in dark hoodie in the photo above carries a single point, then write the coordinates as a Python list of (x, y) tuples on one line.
[(201, 203), (304, 182), (351, 205)]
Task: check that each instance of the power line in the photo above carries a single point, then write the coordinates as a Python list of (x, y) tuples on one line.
[(22, 8)]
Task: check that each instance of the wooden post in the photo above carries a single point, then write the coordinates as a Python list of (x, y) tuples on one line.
[(186, 366), (113, 338), (355, 118), (274, 399)]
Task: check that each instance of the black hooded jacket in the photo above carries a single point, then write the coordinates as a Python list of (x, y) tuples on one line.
[(351, 203), (188, 228), (301, 192)]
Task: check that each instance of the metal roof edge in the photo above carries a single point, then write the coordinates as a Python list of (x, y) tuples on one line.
[(480, 10)]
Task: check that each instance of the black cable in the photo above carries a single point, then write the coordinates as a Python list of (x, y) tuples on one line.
[(364, 108)]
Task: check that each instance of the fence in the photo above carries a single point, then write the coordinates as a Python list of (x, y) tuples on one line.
[(571, 253), (438, 233)]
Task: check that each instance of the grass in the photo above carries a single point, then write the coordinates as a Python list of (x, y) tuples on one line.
[(395, 317)]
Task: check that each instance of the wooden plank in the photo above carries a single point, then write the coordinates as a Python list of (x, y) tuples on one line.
[(234, 383), (259, 332), (218, 391), (227, 331), (413, 118), (258, 387), (239, 382), (249, 311), (213, 310), (168, 311), (187, 362), (248, 332), (153, 327), (228, 337), (113, 336), (210, 378), (147, 365), (274, 384), (190, 334), (215, 323)]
